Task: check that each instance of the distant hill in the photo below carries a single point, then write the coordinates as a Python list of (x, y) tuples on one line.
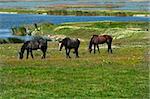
[(78, 0)]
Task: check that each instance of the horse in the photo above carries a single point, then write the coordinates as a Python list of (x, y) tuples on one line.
[(33, 45), (70, 44), (100, 39)]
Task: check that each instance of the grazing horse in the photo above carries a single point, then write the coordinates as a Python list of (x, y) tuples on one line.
[(70, 44), (100, 39), (33, 45)]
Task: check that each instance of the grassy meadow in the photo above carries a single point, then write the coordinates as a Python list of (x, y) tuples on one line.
[(123, 74)]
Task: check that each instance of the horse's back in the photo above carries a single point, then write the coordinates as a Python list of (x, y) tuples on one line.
[(36, 44), (33, 44), (108, 37), (43, 42), (105, 38), (100, 39), (73, 43)]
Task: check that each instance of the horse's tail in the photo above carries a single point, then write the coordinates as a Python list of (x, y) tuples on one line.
[(78, 42), (90, 43)]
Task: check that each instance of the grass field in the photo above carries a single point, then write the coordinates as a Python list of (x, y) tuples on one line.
[(123, 74)]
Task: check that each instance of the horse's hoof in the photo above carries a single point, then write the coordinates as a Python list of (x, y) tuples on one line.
[(68, 57)]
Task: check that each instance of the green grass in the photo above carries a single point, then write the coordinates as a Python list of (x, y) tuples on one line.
[(85, 30), (123, 74)]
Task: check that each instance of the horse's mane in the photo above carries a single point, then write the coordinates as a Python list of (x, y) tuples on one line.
[(24, 46), (67, 38), (25, 43), (95, 35)]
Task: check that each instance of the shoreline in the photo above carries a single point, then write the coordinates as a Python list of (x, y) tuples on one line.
[(76, 26), (77, 12), (8, 13), (136, 15)]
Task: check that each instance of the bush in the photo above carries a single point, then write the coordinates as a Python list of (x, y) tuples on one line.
[(19, 31), (10, 40)]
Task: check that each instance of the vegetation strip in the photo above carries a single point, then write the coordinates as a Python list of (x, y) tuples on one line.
[(77, 12)]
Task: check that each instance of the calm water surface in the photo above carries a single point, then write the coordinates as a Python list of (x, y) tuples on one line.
[(125, 4)]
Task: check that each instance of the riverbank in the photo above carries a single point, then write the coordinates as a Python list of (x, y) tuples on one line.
[(86, 29), (82, 30)]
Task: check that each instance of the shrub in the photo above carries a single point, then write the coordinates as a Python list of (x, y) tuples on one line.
[(19, 31), (10, 40)]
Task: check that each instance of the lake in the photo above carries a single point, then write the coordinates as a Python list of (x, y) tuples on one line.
[(125, 4), (7, 21)]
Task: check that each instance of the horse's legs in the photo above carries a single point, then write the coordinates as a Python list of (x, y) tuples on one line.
[(27, 53), (76, 51), (44, 52), (94, 48), (31, 53), (109, 47), (98, 48), (67, 53)]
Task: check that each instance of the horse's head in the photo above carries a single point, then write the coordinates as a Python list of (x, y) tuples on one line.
[(90, 50), (60, 45), (23, 49), (20, 55)]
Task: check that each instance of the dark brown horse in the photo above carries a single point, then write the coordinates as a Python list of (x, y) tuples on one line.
[(100, 39), (33, 45), (70, 44)]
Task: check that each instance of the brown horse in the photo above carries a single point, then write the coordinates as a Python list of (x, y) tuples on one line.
[(100, 39)]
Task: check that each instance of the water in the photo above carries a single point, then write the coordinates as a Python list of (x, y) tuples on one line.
[(125, 4), (13, 20)]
